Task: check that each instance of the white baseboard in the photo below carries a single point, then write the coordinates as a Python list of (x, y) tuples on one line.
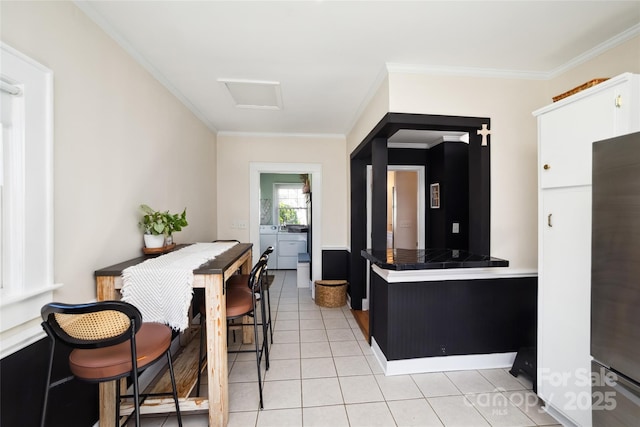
[(365, 304), (442, 363)]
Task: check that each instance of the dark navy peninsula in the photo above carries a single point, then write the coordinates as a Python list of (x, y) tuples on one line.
[(437, 309)]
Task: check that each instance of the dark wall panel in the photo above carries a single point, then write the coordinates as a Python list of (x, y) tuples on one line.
[(335, 264), (426, 319), (23, 381)]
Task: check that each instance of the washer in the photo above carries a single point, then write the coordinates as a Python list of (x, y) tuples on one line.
[(269, 237)]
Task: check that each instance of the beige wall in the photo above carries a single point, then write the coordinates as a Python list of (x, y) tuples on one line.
[(377, 107), (508, 103), (120, 139), (236, 151)]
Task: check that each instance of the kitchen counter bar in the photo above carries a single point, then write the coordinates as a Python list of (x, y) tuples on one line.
[(429, 259)]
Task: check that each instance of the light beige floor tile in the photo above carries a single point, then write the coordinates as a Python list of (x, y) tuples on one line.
[(374, 364), (282, 394), (286, 325), (285, 369), (241, 419), (333, 323), (414, 413), (188, 420), (284, 351), (398, 387), (306, 324), (288, 300), (340, 335), (315, 349), (456, 411), (287, 307), (370, 415), (470, 382), (318, 368), (321, 392), (243, 397), (353, 323), (525, 381), (280, 418), (435, 384), (286, 315), (345, 348), (333, 314), (502, 379), (310, 315), (499, 411), (364, 345), (528, 402), (243, 372), (360, 389), (352, 365), (313, 335), (286, 337), (307, 306), (325, 416)]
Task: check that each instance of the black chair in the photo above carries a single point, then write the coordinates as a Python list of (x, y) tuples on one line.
[(109, 342), (242, 280), (241, 302)]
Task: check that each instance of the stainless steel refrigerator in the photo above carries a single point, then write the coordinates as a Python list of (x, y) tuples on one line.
[(615, 282)]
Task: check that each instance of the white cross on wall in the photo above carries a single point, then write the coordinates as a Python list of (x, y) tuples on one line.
[(484, 132)]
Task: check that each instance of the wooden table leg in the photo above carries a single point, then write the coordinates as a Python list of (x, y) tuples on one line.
[(105, 290), (217, 368)]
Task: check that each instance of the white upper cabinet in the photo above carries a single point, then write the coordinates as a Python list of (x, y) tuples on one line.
[(569, 127)]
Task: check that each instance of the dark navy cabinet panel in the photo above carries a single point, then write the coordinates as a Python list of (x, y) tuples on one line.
[(441, 318), (23, 380)]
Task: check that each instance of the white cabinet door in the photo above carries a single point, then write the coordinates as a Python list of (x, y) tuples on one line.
[(564, 302), (566, 135), (566, 130)]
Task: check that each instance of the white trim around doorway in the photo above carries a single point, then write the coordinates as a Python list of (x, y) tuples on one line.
[(315, 170)]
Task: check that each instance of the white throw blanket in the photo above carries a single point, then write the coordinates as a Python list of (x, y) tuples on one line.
[(161, 288)]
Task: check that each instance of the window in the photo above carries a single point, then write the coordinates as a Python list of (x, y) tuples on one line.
[(291, 204), (26, 190)]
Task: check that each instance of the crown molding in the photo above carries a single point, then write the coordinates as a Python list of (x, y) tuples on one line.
[(464, 71), (592, 53), (282, 135)]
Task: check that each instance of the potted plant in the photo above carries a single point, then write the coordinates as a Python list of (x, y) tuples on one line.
[(175, 222), (158, 227)]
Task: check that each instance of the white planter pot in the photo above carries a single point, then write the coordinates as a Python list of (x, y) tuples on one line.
[(153, 240)]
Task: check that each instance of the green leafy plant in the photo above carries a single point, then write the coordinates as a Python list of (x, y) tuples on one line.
[(287, 214), (157, 222)]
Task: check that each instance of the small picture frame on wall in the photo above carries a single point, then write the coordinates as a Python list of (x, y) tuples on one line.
[(435, 195)]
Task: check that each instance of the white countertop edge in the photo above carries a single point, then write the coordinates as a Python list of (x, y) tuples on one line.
[(394, 276)]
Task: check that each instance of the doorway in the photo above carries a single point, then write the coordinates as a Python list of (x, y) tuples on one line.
[(314, 170), (405, 211)]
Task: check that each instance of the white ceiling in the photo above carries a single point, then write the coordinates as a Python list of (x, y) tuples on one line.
[(326, 58)]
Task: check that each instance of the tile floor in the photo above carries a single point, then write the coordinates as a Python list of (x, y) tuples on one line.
[(324, 374)]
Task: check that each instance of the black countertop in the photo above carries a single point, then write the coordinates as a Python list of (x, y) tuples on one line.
[(428, 259)]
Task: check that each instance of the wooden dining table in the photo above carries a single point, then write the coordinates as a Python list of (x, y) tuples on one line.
[(211, 276)]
